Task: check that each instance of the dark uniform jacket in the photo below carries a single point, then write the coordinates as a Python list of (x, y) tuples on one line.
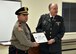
[(54, 29)]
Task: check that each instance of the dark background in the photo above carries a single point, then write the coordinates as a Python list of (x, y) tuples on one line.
[(69, 15)]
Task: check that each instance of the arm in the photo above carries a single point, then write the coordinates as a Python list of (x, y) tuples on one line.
[(61, 32), (22, 38), (39, 26)]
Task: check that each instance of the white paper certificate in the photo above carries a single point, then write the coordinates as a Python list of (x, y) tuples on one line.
[(40, 37)]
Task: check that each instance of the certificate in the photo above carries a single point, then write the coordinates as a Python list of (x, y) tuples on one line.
[(40, 37)]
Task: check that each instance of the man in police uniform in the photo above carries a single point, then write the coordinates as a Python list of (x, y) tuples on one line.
[(21, 35), (53, 27)]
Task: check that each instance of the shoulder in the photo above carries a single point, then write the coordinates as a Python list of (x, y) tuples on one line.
[(59, 17), (17, 27), (44, 14)]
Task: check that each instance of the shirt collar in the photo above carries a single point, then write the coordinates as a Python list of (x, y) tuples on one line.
[(51, 15)]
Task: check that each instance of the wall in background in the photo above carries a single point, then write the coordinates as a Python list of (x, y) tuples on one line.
[(7, 18), (10, 0)]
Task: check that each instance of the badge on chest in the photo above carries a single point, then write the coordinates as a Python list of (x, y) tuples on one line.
[(58, 23)]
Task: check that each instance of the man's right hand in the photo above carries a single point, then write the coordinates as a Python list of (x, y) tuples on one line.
[(35, 44)]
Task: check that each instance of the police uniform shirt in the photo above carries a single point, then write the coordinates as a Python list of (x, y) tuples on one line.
[(21, 37)]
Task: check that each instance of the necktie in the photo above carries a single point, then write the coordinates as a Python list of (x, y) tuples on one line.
[(52, 21), (51, 18)]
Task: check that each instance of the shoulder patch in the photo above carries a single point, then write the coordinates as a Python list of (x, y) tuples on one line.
[(19, 28)]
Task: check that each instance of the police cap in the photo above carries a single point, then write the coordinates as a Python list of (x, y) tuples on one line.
[(22, 10)]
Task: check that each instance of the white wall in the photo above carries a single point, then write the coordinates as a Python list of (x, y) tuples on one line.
[(37, 8), (7, 18)]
